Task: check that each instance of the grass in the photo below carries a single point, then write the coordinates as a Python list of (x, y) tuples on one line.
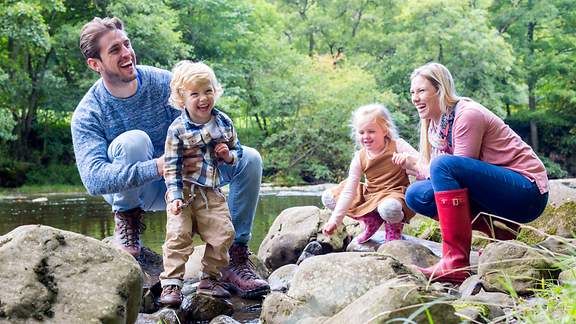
[(39, 189), (553, 301)]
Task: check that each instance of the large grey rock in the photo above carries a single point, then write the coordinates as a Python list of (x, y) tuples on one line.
[(567, 276), (409, 252), (280, 308), (562, 191), (394, 300), (197, 307), (514, 265), (560, 221), (164, 316), (63, 277), (223, 319), (326, 284), (281, 278), (290, 233), (193, 267)]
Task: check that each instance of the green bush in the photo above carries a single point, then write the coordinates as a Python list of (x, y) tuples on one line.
[(314, 149), (13, 173), (53, 174), (554, 170)]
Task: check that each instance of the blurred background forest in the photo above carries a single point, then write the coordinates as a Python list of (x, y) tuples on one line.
[(293, 70)]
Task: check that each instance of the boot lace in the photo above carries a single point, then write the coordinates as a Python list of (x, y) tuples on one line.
[(242, 264), (131, 226)]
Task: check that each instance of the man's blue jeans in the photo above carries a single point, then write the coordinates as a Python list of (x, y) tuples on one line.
[(244, 179), (492, 189)]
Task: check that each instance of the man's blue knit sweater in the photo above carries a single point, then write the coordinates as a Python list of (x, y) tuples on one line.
[(100, 117)]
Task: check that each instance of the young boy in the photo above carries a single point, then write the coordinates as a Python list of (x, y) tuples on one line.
[(195, 204)]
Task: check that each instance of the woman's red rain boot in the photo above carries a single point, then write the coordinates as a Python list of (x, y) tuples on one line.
[(454, 213)]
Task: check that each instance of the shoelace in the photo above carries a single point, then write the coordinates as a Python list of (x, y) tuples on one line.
[(244, 267), (130, 233), (214, 284)]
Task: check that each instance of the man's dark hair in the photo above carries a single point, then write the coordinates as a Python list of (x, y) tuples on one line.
[(93, 31)]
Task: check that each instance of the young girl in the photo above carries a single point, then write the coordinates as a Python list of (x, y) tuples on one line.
[(381, 198)]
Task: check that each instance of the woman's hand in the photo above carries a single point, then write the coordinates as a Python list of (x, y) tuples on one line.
[(223, 152), (329, 228), (175, 206)]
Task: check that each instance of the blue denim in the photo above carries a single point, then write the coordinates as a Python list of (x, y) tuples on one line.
[(244, 179), (492, 189)]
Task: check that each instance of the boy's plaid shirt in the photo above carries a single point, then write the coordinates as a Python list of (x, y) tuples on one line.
[(184, 134)]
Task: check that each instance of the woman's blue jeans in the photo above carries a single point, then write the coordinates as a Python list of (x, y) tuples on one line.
[(492, 189), (244, 179)]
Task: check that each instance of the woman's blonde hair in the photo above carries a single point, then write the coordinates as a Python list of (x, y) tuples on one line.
[(377, 113), (186, 74), (440, 77)]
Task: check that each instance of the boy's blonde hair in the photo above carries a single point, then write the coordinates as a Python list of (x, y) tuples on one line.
[(377, 113), (443, 82), (186, 74)]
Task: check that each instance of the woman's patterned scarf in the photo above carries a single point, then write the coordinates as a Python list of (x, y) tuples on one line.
[(440, 136)]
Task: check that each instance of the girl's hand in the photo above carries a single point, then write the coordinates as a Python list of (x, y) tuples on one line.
[(329, 228), (221, 150), (408, 162), (399, 158), (174, 206)]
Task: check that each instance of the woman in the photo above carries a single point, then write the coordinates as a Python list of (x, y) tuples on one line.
[(470, 161)]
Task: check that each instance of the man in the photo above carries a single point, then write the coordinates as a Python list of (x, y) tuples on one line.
[(119, 129)]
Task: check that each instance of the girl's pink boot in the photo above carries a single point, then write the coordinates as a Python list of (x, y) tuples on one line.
[(372, 222), (393, 231)]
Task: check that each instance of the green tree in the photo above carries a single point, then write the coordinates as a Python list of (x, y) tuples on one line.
[(26, 35), (541, 33)]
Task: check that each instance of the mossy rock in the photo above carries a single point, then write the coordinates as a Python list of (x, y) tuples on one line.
[(425, 228), (554, 221)]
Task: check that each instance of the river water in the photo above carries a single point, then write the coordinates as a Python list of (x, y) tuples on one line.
[(92, 216)]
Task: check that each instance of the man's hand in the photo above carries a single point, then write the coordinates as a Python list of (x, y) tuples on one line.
[(221, 150), (175, 206), (160, 165), (190, 163)]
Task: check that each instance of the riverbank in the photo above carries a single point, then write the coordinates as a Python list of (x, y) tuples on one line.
[(265, 190), (41, 189), (561, 190)]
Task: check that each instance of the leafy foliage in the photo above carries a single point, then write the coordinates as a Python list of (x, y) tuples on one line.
[(294, 70)]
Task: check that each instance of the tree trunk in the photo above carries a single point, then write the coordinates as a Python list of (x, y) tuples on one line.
[(311, 44)]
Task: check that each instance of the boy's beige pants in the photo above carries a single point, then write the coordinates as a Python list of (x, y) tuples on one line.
[(214, 225)]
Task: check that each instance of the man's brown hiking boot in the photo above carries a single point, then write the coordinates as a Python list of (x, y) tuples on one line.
[(240, 277), (127, 230), (212, 287)]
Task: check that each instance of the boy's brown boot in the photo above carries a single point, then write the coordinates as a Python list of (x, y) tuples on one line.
[(212, 287), (127, 230), (171, 295)]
